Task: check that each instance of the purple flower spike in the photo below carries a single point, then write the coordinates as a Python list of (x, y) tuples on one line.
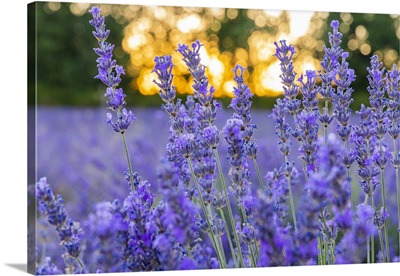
[(211, 136), (109, 72), (163, 69), (123, 122), (191, 57), (69, 232)]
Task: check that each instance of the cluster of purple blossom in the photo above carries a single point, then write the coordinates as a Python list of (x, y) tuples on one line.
[(203, 218)]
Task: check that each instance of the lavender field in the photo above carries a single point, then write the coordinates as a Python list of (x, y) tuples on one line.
[(196, 184), (77, 149), (83, 161)]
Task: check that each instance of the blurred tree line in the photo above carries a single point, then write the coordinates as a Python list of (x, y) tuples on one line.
[(66, 66)]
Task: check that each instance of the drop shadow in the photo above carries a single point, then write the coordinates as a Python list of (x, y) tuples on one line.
[(20, 267)]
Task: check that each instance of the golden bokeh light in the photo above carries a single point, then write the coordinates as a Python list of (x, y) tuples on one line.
[(154, 30)]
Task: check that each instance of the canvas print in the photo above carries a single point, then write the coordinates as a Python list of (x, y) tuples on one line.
[(182, 138)]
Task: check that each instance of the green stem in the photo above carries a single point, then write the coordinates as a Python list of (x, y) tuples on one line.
[(228, 205), (79, 262), (259, 174), (221, 248), (354, 188), (300, 145), (372, 238), (251, 249), (221, 213), (397, 188), (368, 251), (253, 259), (384, 206), (398, 203), (291, 200), (257, 249), (333, 253), (203, 206), (319, 251), (326, 127), (380, 237), (373, 249), (326, 244), (129, 161)]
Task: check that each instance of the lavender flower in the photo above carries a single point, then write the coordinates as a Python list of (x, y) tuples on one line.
[(101, 228), (238, 172), (285, 53), (192, 59), (330, 188), (309, 91), (282, 129), (353, 246), (341, 103), (378, 104), (393, 113), (47, 268), (123, 122), (241, 104), (136, 232), (109, 72), (342, 76), (308, 134), (206, 136), (179, 117), (274, 239), (330, 61), (69, 232)]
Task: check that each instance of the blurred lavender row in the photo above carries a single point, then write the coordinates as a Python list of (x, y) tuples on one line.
[(76, 148)]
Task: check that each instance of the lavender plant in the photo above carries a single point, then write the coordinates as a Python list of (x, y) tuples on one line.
[(198, 216), (393, 113), (110, 74), (381, 155), (69, 231)]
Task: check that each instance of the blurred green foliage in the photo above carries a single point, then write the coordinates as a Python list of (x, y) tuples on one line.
[(65, 61), (66, 66)]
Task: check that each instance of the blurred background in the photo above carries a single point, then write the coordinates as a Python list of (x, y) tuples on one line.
[(66, 61)]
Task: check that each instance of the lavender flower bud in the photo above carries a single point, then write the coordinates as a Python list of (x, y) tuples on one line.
[(211, 136), (185, 144)]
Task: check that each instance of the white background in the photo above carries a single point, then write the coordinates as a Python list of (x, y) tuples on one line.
[(13, 149)]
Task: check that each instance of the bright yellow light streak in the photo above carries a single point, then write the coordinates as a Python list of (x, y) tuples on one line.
[(306, 65), (299, 22), (144, 25), (145, 82), (228, 88), (215, 66), (136, 41), (266, 52), (270, 79), (205, 58), (189, 23)]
